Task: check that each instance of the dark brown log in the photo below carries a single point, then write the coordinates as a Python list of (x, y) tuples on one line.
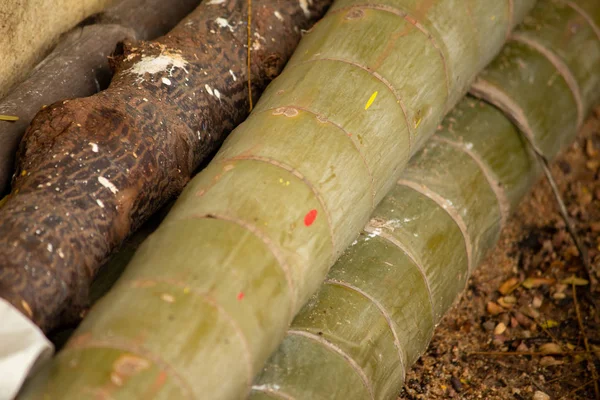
[(90, 171), (78, 66)]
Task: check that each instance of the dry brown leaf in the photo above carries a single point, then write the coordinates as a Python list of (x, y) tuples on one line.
[(494, 309), (531, 283), (508, 286), (574, 280), (550, 361)]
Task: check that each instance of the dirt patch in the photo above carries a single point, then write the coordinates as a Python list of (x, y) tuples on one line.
[(516, 334)]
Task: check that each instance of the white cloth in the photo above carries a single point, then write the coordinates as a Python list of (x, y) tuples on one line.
[(23, 348)]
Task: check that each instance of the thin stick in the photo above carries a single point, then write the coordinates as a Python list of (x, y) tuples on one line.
[(10, 118), (583, 253), (528, 353), (585, 257), (578, 389), (591, 364), (562, 377), (249, 49)]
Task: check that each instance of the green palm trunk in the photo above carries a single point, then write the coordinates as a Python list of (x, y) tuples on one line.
[(376, 312), (210, 294)]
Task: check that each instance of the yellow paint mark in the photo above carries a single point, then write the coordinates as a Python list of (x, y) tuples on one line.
[(418, 122), (23, 173), (418, 118), (11, 118), (371, 100), (284, 183), (550, 323)]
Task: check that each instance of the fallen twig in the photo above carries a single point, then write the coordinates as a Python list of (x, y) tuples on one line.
[(528, 353), (591, 365)]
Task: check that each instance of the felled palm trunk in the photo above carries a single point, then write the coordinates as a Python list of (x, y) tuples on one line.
[(209, 295), (91, 170), (377, 310), (79, 65)]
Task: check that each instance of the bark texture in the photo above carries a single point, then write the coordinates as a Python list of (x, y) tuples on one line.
[(29, 29), (90, 171), (79, 65), (253, 235)]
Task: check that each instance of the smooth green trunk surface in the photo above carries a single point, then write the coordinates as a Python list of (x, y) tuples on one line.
[(210, 294), (382, 299)]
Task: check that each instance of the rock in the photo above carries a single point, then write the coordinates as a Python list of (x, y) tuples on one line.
[(539, 395), (489, 325), (548, 361), (523, 320), (522, 347), (456, 384), (550, 348), (500, 329), (494, 309)]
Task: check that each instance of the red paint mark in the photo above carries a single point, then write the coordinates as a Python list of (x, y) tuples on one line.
[(310, 217), (240, 295)]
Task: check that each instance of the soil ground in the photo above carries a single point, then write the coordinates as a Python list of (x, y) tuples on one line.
[(516, 333)]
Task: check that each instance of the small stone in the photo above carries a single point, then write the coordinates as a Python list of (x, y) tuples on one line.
[(564, 166), (513, 322), (522, 347), (550, 361), (590, 149), (510, 299), (538, 395), (537, 302), (560, 287), (456, 384), (530, 312), (500, 329), (559, 296), (489, 325), (499, 340), (494, 309), (550, 348), (523, 320)]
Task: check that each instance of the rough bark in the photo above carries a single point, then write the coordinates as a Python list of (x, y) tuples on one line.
[(29, 29), (91, 170), (253, 234), (79, 65)]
